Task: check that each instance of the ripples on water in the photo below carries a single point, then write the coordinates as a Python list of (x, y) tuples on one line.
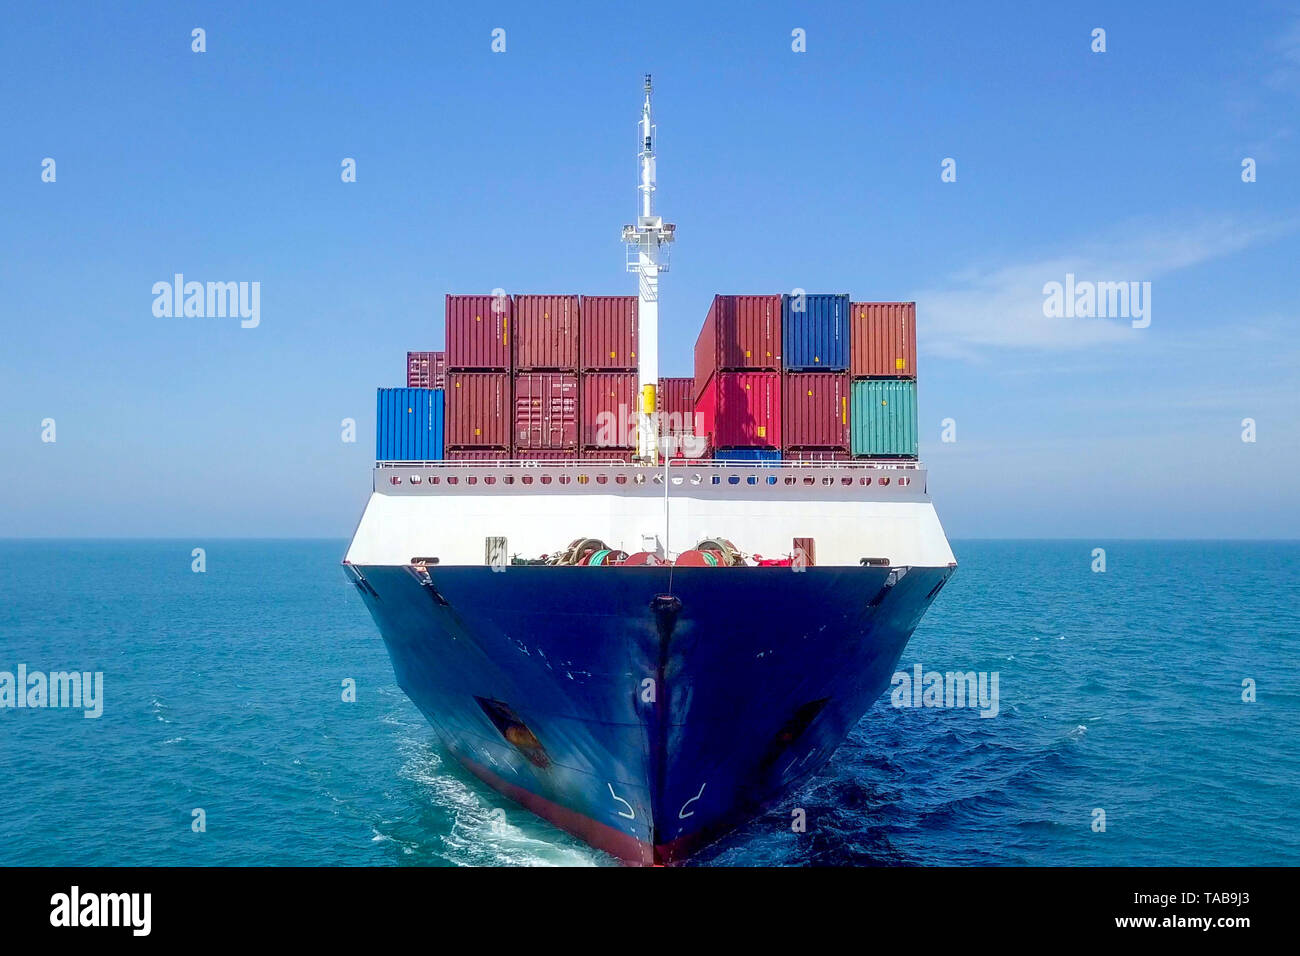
[(1119, 690)]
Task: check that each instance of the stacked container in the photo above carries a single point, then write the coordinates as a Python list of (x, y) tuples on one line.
[(883, 362), (478, 411), (408, 424), (815, 406), (426, 369), (545, 414), (478, 333), (737, 373), (479, 354), (884, 418), (675, 403), (609, 332), (608, 405), (546, 333), (740, 333), (815, 332), (741, 410), (815, 350)]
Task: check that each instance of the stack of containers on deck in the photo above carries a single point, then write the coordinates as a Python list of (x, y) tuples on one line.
[(546, 377), (608, 377), (815, 387), (426, 369), (675, 403), (883, 406), (737, 375), (408, 424), (479, 335)]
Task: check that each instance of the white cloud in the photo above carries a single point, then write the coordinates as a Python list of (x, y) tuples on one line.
[(979, 311)]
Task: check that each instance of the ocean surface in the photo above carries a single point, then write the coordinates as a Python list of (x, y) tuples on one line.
[(1120, 691)]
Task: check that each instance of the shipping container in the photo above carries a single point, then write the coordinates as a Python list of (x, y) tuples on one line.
[(546, 411), (408, 424), (815, 410), (883, 418), (608, 332), (811, 454), (546, 333), (546, 454), (675, 403), (741, 410), (751, 456), (815, 332), (609, 410), (477, 454), (426, 369), (884, 339), (478, 410), (479, 332), (740, 332), (606, 454)]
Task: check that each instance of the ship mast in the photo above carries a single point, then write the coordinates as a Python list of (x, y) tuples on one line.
[(647, 256)]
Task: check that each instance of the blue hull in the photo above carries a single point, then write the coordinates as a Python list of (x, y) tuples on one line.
[(646, 710)]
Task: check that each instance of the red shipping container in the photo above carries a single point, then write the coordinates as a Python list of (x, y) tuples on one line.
[(609, 410), (477, 454), (675, 402), (741, 410), (546, 411), (883, 339), (740, 332), (804, 454), (545, 454), (815, 410), (478, 410), (478, 332), (426, 369), (546, 333), (607, 454), (609, 332)]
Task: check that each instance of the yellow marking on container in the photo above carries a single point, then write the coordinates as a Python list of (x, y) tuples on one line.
[(478, 318), (613, 355), (844, 411), (900, 363), (816, 359), (478, 431), (546, 315), (762, 431)]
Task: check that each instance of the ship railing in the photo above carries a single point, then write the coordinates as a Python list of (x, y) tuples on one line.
[(856, 464)]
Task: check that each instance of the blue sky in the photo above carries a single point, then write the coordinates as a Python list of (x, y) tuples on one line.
[(818, 170)]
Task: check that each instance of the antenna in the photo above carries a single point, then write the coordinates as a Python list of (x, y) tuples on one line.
[(647, 255)]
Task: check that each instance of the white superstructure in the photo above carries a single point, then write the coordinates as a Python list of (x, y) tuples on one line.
[(450, 510)]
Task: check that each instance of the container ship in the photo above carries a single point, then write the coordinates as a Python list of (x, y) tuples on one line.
[(647, 609)]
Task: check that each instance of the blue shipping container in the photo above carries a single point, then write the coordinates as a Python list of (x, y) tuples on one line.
[(409, 424), (746, 456), (816, 337)]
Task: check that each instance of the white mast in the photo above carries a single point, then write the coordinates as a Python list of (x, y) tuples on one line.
[(647, 255)]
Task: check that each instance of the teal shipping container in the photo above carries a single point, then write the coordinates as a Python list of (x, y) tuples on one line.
[(883, 419), (409, 424)]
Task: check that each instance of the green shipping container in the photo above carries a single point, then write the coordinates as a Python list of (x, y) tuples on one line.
[(883, 419)]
